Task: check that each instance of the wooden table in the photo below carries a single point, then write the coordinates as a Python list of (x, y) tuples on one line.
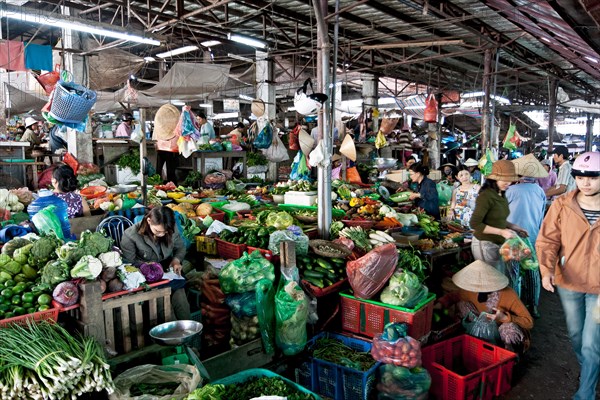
[(112, 149), (201, 156)]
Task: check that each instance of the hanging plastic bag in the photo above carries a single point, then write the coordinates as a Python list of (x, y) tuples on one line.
[(431, 109), (482, 326), (486, 162), (371, 272), (277, 152), (300, 170), (265, 301), (293, 141), (393, 346), (510, 134), (317, 155), (400, 383), (515, 249), (291, 313), (530, 263), (71, 161), (353, 176), (264, 138), (186, 146), (444, 190), (380, 141), (186, 378)]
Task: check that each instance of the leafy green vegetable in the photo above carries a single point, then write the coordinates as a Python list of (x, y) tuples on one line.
[(55, 272), (130, 159), (87, 267), (154, 180), (90, 244), (253, 387), (193, 179), (12, 267), (254, 159), (335, 351), (21, 255)]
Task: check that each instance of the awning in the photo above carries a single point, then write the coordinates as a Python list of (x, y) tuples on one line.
[(21, 102), (115, 101), (189, 81)]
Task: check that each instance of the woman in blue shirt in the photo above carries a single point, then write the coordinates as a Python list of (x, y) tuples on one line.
[(427, 195)]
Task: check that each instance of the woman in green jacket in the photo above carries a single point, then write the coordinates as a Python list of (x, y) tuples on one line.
[(155, 239), (489, 219)]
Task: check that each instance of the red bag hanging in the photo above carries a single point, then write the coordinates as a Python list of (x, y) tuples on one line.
[(71, 161), (294, 143), (431, 109)]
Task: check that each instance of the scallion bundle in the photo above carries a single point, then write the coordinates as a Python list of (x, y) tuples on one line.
[(43, 361)]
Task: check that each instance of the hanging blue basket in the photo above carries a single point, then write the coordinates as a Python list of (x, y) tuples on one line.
[(71, 102)]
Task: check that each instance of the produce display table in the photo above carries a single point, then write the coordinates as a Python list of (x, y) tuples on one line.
[(111, 149), (13, 165), (202, 156), (435, 256)]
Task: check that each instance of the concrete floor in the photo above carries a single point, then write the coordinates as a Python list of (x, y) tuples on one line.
[(549, 370)]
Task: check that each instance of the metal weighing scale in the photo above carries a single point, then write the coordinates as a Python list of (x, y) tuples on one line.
[(178, 334), (384, 165)]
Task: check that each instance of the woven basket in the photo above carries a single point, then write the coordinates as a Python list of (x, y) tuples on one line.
[(306, 218), (362, 223), (316, 244), (71, 102)]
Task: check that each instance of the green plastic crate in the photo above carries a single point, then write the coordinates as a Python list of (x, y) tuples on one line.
[(261, 373)]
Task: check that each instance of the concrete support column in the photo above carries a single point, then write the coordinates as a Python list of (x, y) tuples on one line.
[(589, 132), (369, 94), (553, 86), (485, 112), (265, 90)]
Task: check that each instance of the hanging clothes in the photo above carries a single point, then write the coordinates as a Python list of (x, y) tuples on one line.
[(12, 56), (38, 56)]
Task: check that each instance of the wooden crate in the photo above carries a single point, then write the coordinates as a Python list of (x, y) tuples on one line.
[(122, 323)]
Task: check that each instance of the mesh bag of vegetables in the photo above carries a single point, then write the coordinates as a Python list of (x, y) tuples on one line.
[(241, 275), (370, 273), (404, 290), (291, 313), (393, 346), (515, 249), (291, 235), (400, 383)]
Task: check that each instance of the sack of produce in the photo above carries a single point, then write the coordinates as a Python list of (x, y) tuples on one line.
[(530, 263), (241, 275), (482, 326), (404, 290), (156, 382), (400, 383), (444, 190), (291, 235), (242, 304), (393, 346), (243, 330), (265, 306), (370, 273), (515, 249), (291, 312)]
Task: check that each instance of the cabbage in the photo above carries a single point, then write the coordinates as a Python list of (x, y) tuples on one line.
[(404, 289), (152, 271), (280, 220), (87, 267)]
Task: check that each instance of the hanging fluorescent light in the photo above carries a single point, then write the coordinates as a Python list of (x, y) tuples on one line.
[(472, 94), (149, 59), (50, 19), (210, 43), (246, 97), (246, 40), (205, 105), (176, 52)]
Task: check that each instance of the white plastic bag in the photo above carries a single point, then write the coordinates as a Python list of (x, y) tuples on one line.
[(277, 152)]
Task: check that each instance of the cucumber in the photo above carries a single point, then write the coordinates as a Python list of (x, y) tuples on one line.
[(338, 261), (323, 263), (314, 274), (328, 273), (316, 282)]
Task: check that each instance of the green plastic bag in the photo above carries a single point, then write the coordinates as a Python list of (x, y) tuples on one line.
[(242, 275), (265, 307), (489, 160), (444, 190), (47, 222), (530, 263), (508, 143), (291, 313)]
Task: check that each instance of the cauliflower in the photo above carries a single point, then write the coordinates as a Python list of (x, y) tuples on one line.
[(87, 267), (110, 259)]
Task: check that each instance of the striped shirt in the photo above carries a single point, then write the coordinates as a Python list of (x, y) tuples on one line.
[(591, 215)]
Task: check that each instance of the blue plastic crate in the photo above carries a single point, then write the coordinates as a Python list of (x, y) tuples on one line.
[(336, 381), (261, 373)]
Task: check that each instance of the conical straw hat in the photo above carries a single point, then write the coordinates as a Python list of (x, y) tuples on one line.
[(347, 148), (530, 166), (165, 121), (258, 107), (306, 142), (480, 277), (470, 163)]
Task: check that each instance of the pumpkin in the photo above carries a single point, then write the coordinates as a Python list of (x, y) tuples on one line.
[(204, 209)]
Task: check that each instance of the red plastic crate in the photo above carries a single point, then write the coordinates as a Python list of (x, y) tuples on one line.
[(218, 216), (318, 292), (368, 317), (268, 254), (48, 315), (230, 250), (467, 368)]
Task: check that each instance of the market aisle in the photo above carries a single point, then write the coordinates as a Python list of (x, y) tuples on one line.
[(549, 370)]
